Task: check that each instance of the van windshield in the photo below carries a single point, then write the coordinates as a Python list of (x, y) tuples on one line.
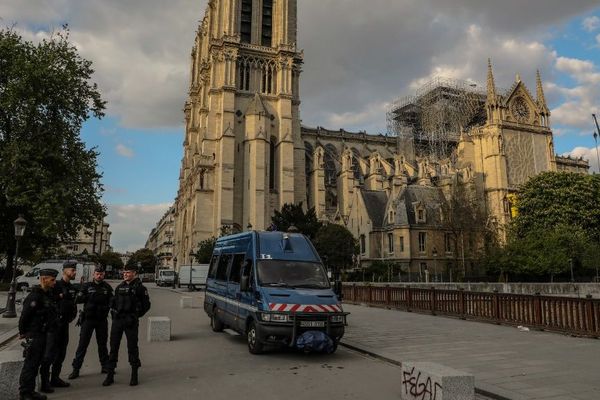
[(166, 273), (293, 274)]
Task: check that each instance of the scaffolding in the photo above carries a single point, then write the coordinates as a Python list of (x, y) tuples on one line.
[(434, 117)]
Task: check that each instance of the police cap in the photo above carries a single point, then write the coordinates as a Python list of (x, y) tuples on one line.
[(70, 264), (49, 272), (99, 268)]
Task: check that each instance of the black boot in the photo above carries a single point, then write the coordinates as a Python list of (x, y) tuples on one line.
[(32, 396), (44, 383), (74, 374), (59, 383), (110, 378), (134, 376)]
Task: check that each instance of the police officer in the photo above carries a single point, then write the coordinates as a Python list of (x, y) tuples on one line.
[(38, 315), (130, 302), (64, 294), (96, 297)]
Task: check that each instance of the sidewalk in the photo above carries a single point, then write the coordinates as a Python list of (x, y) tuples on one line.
[(505, 361)]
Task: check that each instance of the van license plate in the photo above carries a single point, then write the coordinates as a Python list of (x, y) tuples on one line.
[(312, 324)]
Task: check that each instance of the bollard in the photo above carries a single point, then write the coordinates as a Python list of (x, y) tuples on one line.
[(186, 302), (11, 363), (159, 329), (426, 380)]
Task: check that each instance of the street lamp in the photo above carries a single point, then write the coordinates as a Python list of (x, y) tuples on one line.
[(249, 227), (596, 133), (435, 253), (192, 254), (20, 224)]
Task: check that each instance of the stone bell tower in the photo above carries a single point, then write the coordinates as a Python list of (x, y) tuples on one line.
[(242, 143), (515, 144)]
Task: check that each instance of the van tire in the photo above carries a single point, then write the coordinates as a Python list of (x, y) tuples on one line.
[(254, 345), (215, 322), (20, 286)]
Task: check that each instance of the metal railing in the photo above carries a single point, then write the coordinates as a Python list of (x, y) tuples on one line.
[(578, 316)]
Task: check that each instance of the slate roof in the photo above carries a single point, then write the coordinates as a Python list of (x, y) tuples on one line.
[(375, 203), (431, 197)]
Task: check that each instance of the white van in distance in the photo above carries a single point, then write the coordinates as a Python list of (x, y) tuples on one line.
[(198, 276), (85, 273)]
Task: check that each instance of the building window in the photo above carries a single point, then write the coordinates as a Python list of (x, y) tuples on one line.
[(267, 23), (420, 215), (244, 69), (246, 22), (422, 242), (268, 79), (449, 247), (402, 244), (363, 246), (390, 243)]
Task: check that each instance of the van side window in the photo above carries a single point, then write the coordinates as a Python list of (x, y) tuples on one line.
[(236, 268), (222, 268), (212, 271)]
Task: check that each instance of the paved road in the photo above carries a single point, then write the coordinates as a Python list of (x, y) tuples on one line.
[(505, 361), (199, 363)]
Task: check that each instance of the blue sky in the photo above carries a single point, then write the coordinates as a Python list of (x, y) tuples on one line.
[(358, 58)]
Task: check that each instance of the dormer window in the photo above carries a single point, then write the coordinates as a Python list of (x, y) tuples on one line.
[(420, 213)]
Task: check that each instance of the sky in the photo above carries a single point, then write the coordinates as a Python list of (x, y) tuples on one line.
[(359, 56)]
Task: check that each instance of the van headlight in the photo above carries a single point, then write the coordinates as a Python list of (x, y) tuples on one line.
[(268, 317), (337, 319)]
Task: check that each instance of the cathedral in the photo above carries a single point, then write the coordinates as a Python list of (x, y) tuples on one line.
[(246, 153)]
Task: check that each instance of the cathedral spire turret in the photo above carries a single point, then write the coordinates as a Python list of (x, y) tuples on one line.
[(491, 85), (541, 99)]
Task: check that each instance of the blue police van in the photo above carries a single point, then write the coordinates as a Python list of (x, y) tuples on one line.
[(271, 287)]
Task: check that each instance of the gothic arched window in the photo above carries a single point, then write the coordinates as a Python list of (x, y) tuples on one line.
[(246, 21)]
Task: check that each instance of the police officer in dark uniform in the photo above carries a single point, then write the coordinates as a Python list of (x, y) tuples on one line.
[(38, 315), (64, 294), (96, 297), (130, 302)]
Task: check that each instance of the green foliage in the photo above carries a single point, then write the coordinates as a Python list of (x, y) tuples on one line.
[(205, 250), (46, 172), (545, 253), (146, 259), (335, 245), (111, 258), (293, 214), (554, 198)]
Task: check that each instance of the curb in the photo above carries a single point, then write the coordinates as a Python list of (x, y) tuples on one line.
[(478, 390), (7, 337)]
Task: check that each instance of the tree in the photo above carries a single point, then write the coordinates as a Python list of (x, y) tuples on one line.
[(111, 258), (465, 221), (559, 198), (205, 250), (293, 214), (46, 172), (146, 258), (336, 245)]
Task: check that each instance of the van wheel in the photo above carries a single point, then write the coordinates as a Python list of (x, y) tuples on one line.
[(254, 345), (20, 286), (215, 322)]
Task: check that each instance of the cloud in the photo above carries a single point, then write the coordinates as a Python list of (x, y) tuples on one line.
[(579, 102), (131, 224), (592, 23), (586, 153), (356, 55), (124, 151)]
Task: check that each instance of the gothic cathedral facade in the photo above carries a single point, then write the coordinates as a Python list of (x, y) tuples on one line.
[(246, 153)]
